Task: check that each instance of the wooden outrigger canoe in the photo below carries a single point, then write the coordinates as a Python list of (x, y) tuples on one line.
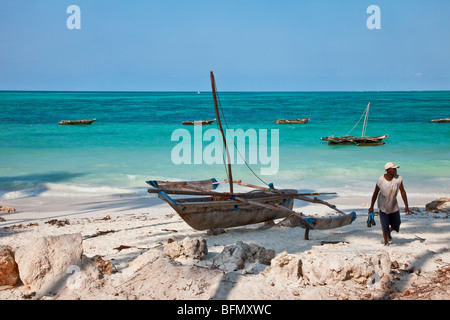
[(212, 210), (359, 141), (292, 121), (209, 209), (441, 120), (74, 122), (199, 122)]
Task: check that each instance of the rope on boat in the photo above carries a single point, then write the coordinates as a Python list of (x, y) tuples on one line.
[(234, 143)]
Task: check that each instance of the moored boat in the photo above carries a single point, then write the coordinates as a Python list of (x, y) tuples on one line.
[(292, 121), (441, 120), (198, 122), (75, 122), (358, 141)]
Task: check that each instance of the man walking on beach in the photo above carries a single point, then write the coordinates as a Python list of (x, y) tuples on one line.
[(386, 190)]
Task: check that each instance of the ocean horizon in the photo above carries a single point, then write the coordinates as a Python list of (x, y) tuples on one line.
[(131, 140), (225, 91)]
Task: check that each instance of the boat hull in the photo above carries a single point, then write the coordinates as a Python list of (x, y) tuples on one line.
[(203, 213)]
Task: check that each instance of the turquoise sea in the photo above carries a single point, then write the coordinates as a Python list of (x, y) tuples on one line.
[(130, 142)]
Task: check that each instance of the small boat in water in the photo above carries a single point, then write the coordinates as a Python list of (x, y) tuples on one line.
[(358, 141), (73, 122), (441, 120), (292, 121), (198, 122)]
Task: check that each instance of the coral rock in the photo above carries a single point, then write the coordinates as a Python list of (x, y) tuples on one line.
[(49, 259), (195, 248), (9, 272)]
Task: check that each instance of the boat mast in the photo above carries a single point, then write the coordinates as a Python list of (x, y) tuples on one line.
[(213, 85), (365, 120)]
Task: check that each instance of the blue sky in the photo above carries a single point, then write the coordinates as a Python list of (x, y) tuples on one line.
[(251, 45)]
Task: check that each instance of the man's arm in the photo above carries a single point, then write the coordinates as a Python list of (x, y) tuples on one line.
[(405, 199), (374, 198)]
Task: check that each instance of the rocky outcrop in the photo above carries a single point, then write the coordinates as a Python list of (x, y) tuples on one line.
[(9, 272), (285, 265), (194, 248), (439, 205), (54, 268), (48, 260), (156, 275), (7, 209), (235, 256), (329, 266), (333, 267)]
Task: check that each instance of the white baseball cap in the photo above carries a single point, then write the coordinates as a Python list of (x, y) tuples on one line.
[(390, 165)]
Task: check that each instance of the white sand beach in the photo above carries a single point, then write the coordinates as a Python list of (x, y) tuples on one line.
[(131, 233)]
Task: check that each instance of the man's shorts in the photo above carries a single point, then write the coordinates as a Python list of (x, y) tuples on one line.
[(391, 219)]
